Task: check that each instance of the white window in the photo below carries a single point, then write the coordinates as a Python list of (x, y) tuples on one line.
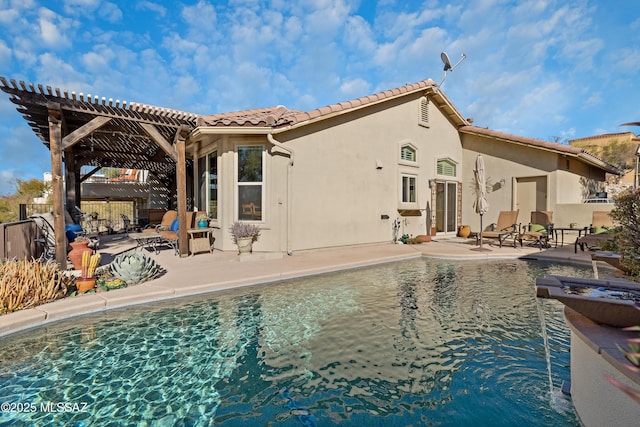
[(250, 178), (408, 189), (208, 183), (424, 111)]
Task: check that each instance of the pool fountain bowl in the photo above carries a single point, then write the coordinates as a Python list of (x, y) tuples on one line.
[(608, 302)]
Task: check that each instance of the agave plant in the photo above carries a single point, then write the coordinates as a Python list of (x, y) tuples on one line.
[(135, 267)]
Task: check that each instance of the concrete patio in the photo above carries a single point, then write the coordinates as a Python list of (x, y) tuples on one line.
[(208, 272)]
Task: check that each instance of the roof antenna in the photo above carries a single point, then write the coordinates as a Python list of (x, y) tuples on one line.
[(448, 67)]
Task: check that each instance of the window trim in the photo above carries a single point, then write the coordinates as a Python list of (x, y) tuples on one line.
[(401, 161), (455, 164), (198, 199), (409, 202), (238, 184)]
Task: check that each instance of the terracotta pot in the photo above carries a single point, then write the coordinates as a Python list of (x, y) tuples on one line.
[(75, 254), (245, 245), (464, 231), (84, 284)]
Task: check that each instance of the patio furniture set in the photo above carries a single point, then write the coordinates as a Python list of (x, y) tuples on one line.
[(540, 231), (166, 234)]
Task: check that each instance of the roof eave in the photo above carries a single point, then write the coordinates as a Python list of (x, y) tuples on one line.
[(201, 132)]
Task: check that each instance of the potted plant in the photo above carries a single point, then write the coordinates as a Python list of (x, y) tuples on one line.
[(87, 281), (202, 221), (244, 235), (93, 215)]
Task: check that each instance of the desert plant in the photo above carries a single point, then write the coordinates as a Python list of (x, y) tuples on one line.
[(241, 230), (89, 264), (626, 236), (202, 218), (134, 268), (25, 284)]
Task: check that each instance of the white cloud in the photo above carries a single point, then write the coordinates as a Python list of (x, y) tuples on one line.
[(355, 88), (152, 7), (54, 29), (110, 12)]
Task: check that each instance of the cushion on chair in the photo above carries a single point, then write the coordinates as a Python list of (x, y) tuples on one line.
[(174, 225), (537, 228), (600, 230)]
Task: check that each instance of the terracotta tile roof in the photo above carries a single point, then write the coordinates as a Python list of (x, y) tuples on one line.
[(260, 117), (280, 116), (538, 143)]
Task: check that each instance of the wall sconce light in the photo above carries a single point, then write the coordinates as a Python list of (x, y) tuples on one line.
[(432, 183), (378, 164), (502, 182)]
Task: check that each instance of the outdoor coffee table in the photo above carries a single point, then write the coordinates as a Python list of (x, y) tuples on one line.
[(563, 229), (146, 240)]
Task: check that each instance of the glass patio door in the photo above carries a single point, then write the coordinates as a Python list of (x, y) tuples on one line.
[(446, 206)]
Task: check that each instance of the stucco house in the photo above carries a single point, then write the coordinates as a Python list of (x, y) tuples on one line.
[(337, 175), (341, 174)]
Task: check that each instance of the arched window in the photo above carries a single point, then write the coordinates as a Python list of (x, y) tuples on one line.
[(408, 153), (446, 168)]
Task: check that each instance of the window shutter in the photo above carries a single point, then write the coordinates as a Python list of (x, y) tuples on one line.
[(446, 168), (408, 154)]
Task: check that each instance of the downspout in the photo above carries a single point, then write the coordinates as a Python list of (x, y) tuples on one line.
[(278, 144)]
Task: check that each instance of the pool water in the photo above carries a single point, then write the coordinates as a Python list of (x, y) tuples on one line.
[(420, 342)]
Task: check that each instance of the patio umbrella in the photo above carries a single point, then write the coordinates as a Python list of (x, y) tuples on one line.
[(481, 205)]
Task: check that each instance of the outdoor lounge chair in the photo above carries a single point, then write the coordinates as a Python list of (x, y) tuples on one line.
[(507, 226), (539, 230), (597, 233), (165, 224)]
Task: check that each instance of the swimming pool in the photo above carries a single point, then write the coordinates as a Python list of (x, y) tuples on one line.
[(419, 342)]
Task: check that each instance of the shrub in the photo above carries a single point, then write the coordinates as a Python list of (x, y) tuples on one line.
[(25, 284), (239, 230), (626, 240)]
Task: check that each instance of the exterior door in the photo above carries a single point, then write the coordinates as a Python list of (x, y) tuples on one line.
[(446, 206), (531, 196)]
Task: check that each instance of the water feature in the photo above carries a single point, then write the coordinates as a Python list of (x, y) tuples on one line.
[(420, 342)]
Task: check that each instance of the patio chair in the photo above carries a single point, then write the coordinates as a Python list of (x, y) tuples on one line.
[(507, 226), (170, 237), (539, 231), (165, 224), (128, 225), (597, 233)]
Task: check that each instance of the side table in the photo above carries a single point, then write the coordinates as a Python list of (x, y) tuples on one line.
[(200, 240)]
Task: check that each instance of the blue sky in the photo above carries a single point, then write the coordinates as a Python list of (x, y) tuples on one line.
[(546, 69)]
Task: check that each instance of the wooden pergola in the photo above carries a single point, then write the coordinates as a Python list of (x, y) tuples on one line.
[(85, 130)]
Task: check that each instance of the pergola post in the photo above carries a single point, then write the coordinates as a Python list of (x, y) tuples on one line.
[(181, 189), (57, 184)]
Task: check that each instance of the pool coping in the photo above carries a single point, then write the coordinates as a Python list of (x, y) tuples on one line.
[(199, 275)]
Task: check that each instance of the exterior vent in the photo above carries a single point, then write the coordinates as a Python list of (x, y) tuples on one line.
[(424, 111)]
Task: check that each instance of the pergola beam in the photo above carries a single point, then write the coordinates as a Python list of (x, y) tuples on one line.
[(78, 134), (160, 140)]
